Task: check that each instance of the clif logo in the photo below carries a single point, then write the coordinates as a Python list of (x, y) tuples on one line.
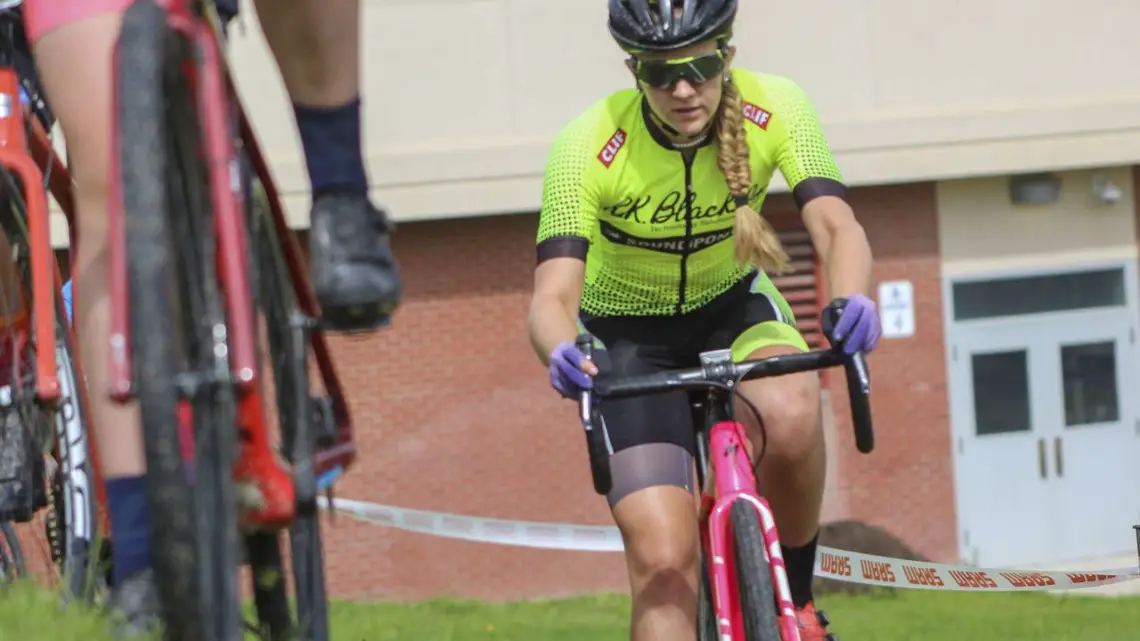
[(610, 151), (757, 115)]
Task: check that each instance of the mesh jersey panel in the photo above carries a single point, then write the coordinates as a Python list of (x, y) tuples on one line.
[(660, 230), (804, 152), (570, 189)]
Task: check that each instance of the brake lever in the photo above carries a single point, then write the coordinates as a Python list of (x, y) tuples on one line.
[(585, 344), (858, 382), (859, 393), (597, 442)]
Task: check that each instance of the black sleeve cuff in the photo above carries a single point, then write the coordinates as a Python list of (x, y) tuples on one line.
[(812, 188), (562, 247)]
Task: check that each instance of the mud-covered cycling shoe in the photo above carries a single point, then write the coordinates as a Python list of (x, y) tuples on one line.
[(355, 275), (134, 606), (813, 625)]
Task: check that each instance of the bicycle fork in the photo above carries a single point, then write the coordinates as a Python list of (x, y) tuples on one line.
[(734, 480)]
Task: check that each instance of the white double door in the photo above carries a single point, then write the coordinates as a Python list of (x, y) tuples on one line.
[(1047, 437)]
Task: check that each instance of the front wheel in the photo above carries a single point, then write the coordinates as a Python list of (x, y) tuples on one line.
[(753, 575), (706, 612), (11, 555), (177, 331)]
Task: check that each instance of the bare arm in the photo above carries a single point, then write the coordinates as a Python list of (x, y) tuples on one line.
[(571, 195), (554, 306), (841, 244), (806, 161)]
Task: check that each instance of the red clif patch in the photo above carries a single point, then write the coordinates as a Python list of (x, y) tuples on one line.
[(610, 151), (757, 115)]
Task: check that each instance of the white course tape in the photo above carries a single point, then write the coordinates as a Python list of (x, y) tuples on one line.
[(530, 534), (868, 569), (840, 565)]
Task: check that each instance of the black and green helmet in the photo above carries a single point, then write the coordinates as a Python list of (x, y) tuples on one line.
[(664, 25)]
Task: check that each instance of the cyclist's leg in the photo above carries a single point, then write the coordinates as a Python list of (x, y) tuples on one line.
[(759, 324), (72, 44), (652, 498), (317, 46)]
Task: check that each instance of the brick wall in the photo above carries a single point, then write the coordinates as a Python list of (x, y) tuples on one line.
[(907, 484), (454, 413), (1136, 198)]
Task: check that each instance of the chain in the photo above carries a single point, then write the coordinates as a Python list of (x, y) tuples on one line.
[(55, 541)]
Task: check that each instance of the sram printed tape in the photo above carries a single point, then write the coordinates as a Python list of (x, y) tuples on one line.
[(840, 565), (868, 569)]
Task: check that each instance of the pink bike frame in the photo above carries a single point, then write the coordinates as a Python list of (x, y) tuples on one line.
[(731, 470), (729, 463)]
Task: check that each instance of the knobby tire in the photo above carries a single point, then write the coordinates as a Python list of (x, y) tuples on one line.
[(177, 332), (706, 613), (12, 565), (753, 576), (286, 333)]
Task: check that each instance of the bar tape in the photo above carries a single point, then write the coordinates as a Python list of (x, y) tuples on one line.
[(840, 565)]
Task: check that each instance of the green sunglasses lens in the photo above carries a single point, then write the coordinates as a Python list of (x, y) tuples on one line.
[(666, 73)]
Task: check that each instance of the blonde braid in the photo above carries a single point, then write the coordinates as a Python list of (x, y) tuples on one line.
[(755, 240)]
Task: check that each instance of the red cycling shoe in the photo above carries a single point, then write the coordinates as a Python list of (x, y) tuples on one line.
[(813, 625)]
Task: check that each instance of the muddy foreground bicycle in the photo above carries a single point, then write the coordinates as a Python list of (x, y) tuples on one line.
[(48, 485), (200, 261), (744, 590)]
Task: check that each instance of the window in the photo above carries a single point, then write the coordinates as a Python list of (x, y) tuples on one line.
[(1001, 392), (974, 300), (1089, 375)]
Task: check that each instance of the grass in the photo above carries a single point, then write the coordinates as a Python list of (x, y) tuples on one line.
[(27, 613)]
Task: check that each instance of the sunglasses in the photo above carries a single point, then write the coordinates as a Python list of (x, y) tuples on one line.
[(663, 74)]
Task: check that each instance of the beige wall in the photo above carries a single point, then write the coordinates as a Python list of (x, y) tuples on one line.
[(980, 231), (907, 90), (463, 96)]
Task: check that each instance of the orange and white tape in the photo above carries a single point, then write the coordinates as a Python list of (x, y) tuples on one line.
[(868, 569), (841, 565)]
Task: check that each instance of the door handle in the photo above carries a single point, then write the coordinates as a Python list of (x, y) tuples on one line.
[(1058, 457), (1042, 466)]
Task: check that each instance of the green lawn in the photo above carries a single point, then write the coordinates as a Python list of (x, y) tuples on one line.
[(27, 614)]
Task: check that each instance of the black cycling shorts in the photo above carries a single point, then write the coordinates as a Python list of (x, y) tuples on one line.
[(647, 344)]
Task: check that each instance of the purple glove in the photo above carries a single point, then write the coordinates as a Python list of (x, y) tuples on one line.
[(858, 327), (566, 375)]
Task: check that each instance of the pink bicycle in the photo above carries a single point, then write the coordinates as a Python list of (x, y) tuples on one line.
[(750, 599)]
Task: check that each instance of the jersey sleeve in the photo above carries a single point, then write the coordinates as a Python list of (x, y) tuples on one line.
[(803, 155), (570, 193)]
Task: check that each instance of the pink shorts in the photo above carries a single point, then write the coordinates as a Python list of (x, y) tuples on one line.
[(41, 16)]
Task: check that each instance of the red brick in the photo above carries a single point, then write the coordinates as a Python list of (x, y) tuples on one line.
[(453, 413), (456, 415)]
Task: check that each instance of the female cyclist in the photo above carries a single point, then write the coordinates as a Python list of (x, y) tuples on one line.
[(650, 236), (316, 43)]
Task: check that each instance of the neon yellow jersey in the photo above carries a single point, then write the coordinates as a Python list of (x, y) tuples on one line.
[(615, 196)]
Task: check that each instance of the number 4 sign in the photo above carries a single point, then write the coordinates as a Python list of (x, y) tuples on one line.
[(896, 308)]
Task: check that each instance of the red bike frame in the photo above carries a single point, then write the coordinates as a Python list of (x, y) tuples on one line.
[(214, 93), (733, 479), (23, 157)]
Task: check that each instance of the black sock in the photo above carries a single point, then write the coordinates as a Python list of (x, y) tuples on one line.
[(330, 137), (800, 562), (130, 522)]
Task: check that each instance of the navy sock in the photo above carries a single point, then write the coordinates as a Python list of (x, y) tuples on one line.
[(800, 562), (130, 526), (330, 137)]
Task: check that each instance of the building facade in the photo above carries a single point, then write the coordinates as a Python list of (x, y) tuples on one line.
[(992, 162)]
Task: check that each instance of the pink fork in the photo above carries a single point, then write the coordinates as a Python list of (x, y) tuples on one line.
[(734, 480)]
